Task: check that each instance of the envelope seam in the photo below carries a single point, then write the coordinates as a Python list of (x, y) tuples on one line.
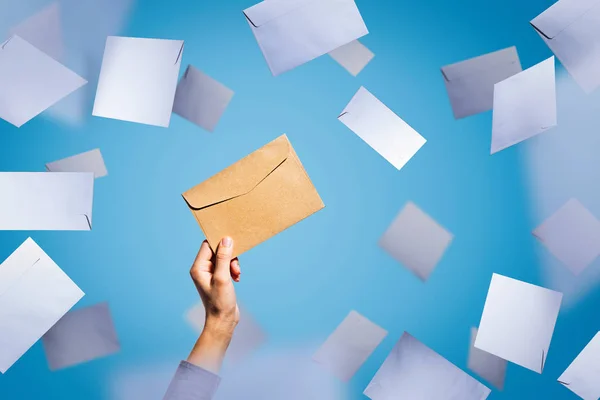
[(20, 277), (179, 55), (563, 29), (480, 71), (239, 195)]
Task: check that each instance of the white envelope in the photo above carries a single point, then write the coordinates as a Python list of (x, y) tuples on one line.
[(470, 83), (353, 56), (31, 81), (518, 322), (582, 375), (147, 381), (46, 201), (486, 365), (79, 336), (571, 29), (90, 161), (279, 374), (293, 32), (572, 235), (201, 99), (34, 294), (44, 31), (138, 80), (349, 346), (381, 129), (524, 105), (89, 22), (414, 371), (247, 338), (416, 241)]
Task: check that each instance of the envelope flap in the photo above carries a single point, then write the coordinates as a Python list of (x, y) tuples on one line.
[(18, 263), (241, 177), (269, 10), (477, 65), (561, 15)]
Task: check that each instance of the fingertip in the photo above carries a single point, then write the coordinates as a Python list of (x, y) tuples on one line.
[(205, 253)]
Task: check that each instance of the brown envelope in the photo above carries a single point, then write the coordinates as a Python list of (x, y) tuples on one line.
[(255, 198)]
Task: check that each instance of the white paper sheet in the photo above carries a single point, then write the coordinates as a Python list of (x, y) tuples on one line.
[(572, 235), (31, 81), (486, 365), (34, 294), (46, 201), (518, 322), (349, 346), (81, 335), (247, 338), (353, 56), (582, 375), (293, 32), (416, 241), (414, 371), (138, 80), (381, 129), (90, 161), (571, 29), (470, 83), (201, 99), (524, 105)]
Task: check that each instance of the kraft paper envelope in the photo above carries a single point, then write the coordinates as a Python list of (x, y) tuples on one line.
[(34, 294), (90, 161), (349, 346), (416, 240), (293, 32), (486, 365), (81, 335), (572, 235), (46, 201), (571, 29), (353, 56), (31, 81), (248, 335), (518, 322), (381, 128), (44, 31), (524, 105), (414, 371), (582, 375), (138, 79), (201, 99), (255, 198), (470, 83)]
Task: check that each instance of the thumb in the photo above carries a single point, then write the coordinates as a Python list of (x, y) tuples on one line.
[(223, 260)]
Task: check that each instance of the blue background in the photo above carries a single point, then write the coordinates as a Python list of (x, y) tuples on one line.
[(302, 283)]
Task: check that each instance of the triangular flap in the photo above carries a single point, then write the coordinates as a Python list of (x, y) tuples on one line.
[(241, 177), (561, 15), (268, 10), (479, 64)]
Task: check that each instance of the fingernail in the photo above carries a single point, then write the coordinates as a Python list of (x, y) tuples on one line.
[(227, 241)]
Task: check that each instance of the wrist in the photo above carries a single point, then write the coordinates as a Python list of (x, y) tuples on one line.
[(219, 329)]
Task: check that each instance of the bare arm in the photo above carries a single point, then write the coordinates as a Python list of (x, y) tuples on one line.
[(213, 275)]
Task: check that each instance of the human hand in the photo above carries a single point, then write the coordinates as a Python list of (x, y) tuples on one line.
[(213, 275)]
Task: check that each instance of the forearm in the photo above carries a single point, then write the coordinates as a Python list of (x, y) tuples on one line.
[(209, 350)]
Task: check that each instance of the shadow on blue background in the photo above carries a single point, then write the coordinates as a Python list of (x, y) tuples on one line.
[(302, 283)]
